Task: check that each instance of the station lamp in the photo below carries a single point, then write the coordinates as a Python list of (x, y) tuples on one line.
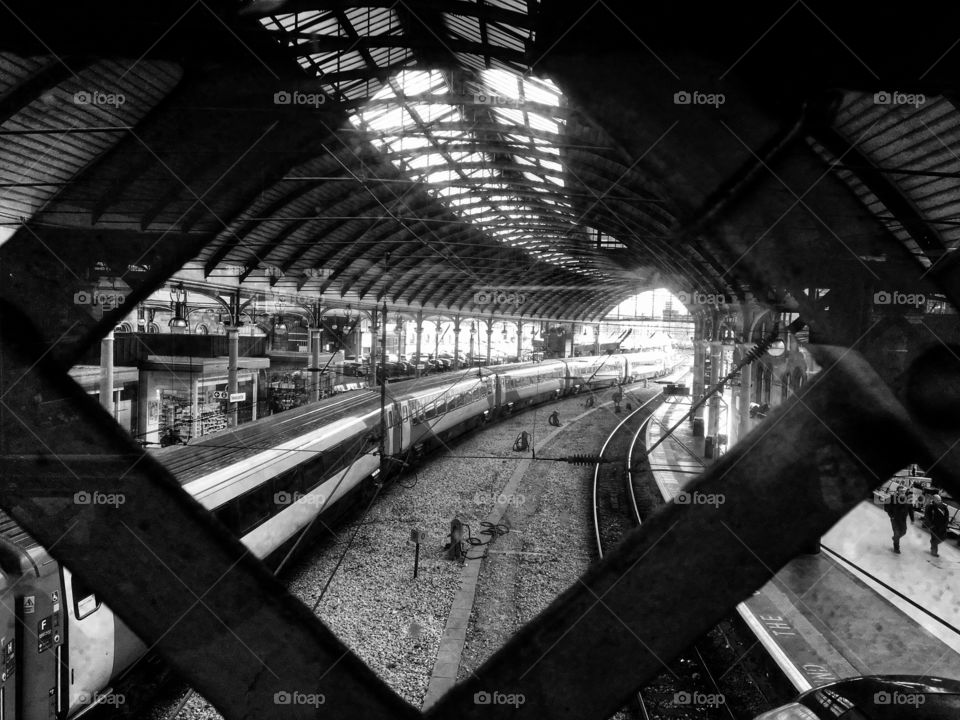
[(178, 305), (279, 326), (777, 348)]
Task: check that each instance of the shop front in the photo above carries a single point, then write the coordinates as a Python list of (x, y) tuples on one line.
[(185, 398)]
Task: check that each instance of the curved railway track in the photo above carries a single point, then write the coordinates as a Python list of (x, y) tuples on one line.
[(620, 502), (614, 503)]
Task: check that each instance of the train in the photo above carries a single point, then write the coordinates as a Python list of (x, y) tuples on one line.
[(266, 482)]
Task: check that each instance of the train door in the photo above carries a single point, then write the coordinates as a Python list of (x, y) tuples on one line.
[(40, 641), (8, 649), (90, 626), (393, 439)]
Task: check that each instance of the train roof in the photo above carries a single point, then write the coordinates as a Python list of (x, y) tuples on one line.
[(411, 388), (527, 365), (209, 453), (11, 531), (19, 552)]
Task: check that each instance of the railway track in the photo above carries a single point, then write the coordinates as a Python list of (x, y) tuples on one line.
[(614, 502), (622, 498)]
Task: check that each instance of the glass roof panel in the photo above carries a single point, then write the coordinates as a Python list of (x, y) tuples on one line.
[(512, 188)]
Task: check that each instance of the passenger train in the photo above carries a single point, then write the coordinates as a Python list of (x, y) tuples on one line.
[(265, 482)]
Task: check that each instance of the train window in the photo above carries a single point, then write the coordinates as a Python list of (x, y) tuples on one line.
[(84, 600), (229, 515), (255, 507)]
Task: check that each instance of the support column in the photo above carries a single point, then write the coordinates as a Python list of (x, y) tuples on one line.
[(436, 343), (374, 347), (419, 341), (473, 337), (233, 362), (315, 378), (489, 338), (699, 357), (713, 418), (106, 374), (746, 394), (456, 343), (596, 340), (519, 340)]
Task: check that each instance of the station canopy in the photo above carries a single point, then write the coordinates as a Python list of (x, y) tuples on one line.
[(432, 155)]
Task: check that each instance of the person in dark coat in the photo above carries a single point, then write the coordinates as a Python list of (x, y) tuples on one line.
[(937, 517), (898, 507)]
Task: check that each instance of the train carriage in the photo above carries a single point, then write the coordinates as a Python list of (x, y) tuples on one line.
[(60, 645), (430, 415), (265, 482), (587, 373), (523, 384), (644, 365)]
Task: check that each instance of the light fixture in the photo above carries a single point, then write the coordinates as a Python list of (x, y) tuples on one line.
[(776, 348), (178, 306), (279, 326)]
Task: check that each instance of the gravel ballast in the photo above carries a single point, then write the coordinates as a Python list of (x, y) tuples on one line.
[(394, 622)]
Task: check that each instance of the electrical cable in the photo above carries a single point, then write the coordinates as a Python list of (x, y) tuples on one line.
[(343, 555), (490, 530)]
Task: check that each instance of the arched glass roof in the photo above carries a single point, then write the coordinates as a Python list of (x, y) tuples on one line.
[(488, 145)]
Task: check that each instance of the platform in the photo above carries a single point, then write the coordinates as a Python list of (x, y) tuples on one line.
[(856, 608)]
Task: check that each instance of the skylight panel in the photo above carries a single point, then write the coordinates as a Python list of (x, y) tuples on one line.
[(518, 6), (538, 122), (541, 91), (391, 119), (435, 143), (370, 22), (496, 36), (342, 61), (467, 28), (471, 60), (504, 84)]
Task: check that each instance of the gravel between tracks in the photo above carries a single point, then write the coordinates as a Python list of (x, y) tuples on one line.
[(394, 622)]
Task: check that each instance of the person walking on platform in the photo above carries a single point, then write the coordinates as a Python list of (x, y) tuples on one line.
[(898, 507), (937, 518)]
